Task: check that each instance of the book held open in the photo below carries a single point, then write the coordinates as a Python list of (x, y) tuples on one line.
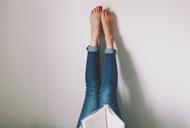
[(104, 117)]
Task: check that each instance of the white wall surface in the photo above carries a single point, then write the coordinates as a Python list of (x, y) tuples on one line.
[(43, 56)]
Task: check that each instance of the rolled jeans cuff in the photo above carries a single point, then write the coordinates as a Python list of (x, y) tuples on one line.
[(110, 50), (92, 48)]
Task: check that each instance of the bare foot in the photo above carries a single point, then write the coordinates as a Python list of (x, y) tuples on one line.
[(95, 20), (107, 24)]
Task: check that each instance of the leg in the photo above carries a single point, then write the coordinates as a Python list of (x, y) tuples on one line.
[(92, 75), (92, 84), (108, 88)]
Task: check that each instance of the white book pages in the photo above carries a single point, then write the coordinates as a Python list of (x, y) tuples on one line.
[(103, 118), (113, 121), (95, 120)]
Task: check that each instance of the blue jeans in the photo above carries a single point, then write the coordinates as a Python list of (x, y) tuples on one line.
[(100, 91)]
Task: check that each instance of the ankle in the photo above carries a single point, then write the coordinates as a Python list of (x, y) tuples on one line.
[(109, 42), (109, 46), (94, 42)]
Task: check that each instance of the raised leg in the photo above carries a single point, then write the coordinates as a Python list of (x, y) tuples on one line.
[(108, 88), (92, 75)]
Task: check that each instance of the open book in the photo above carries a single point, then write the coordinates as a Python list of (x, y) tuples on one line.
[(103, 118)]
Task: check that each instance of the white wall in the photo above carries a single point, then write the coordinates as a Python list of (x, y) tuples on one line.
[(42, 61)]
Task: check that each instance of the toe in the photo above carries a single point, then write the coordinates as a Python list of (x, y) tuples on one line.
[(109, 13), (99, 8), (96, 9), (91, 12), (104, 12)]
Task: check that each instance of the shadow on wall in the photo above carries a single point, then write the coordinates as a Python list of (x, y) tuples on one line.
[(136, 113)]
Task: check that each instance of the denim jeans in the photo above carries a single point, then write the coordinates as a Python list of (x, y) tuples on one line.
[(100, 91)]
